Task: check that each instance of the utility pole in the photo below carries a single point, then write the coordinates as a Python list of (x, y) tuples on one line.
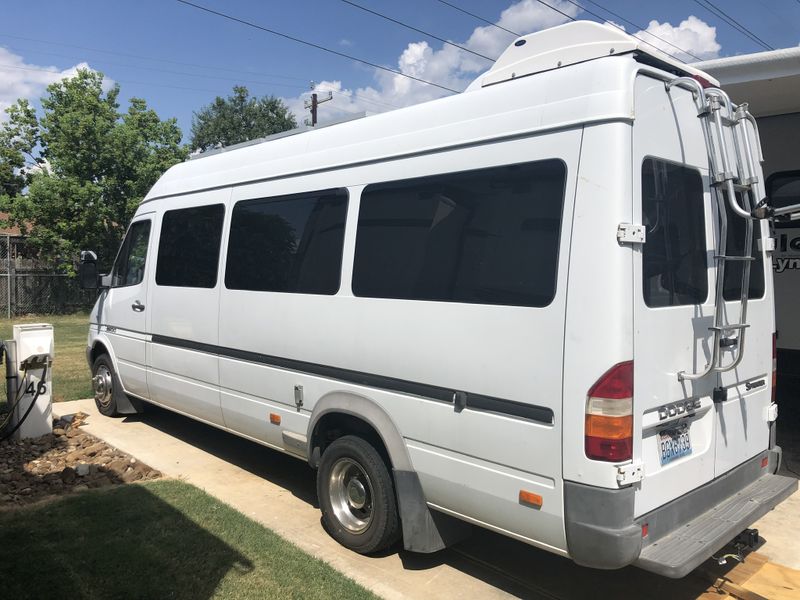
[(314, 103)]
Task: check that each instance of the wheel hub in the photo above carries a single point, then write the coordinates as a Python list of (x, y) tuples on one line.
[(102, 385), (350, 492)]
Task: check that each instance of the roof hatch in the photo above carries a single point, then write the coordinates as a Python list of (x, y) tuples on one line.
[(570, 44)]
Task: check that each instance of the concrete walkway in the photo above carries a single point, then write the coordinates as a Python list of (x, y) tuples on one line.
[(279, 492)]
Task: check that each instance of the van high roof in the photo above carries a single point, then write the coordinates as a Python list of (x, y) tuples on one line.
[(528, 89)]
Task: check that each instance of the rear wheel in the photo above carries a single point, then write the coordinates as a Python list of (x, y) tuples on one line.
[(356, 495), (106, 386)]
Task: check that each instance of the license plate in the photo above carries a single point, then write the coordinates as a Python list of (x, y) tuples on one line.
[(674, 443)]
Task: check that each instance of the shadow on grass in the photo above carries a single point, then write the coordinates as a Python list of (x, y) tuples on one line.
[(124, 542), (509, 565)]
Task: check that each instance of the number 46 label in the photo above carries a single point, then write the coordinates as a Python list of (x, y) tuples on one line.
[(40, 389)]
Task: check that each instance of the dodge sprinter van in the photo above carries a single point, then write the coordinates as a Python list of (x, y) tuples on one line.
[(540, 306)]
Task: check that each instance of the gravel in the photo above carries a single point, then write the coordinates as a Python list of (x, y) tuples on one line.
[(66, 461)]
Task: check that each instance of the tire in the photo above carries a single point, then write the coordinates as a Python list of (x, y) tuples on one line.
[(356, 496), (106, 386)]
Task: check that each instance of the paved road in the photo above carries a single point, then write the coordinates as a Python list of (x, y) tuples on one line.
[(279, 492)]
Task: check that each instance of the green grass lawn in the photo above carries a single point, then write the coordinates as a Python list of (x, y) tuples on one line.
[(71, 377), (162, 539)]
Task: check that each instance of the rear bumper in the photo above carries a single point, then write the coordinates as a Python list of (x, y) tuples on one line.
[(602, 533)]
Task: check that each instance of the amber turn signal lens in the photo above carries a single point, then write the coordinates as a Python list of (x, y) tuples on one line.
[(275, 419), (530, 499), (613, 428)]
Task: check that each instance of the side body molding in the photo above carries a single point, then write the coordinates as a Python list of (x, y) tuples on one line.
[(423, 530)]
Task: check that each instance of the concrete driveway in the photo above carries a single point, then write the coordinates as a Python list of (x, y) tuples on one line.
[(279, 492)]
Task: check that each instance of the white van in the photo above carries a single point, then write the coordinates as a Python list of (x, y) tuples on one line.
[(505, 308)]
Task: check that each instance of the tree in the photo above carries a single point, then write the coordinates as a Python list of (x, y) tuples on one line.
[(239, 118), (72, 179)]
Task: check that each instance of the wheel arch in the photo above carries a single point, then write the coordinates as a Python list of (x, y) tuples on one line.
[(365, 410), (423, 530), (100, 345)]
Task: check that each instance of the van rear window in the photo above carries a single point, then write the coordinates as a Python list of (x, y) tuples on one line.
[(488, 236), (674, 261), (288, 243), (737, 231), (188, 248)]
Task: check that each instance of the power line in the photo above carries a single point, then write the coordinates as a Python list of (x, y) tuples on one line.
[(571, 18), (412, 28), (487, 21), (126, 81), (718, 12), (313, 45), (171, 72), (632, 24), (184, 73), (139, 56)]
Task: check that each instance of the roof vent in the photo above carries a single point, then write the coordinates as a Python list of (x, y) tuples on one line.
[(569, 44)]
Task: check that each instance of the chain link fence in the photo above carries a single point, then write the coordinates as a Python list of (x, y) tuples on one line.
[(29, 285)]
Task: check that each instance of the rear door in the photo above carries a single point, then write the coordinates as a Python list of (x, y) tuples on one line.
[(742, 429), (674, 421)]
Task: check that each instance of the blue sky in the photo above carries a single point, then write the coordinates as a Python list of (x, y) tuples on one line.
[(179, 58)]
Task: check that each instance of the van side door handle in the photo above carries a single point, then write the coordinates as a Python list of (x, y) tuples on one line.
[(137, 306)]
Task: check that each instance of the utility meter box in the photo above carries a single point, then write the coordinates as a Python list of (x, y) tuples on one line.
[(29, 371)]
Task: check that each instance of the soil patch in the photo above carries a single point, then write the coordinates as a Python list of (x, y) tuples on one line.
[(66, 461)]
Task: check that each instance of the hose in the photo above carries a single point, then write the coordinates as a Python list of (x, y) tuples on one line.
[(7, 434)]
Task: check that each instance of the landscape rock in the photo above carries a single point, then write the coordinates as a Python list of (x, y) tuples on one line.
[(66, 461)]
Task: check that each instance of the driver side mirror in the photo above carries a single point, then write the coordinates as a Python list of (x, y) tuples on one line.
[(87, 271)]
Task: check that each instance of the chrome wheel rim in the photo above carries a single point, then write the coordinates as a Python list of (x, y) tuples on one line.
[(102, 386), (350, 491)]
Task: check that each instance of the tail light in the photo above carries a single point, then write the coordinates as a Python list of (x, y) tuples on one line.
[(609, 415), (774, 366), (704, 83)]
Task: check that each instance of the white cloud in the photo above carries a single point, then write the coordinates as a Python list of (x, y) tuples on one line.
[(455, 69), (693, 35), (19, 79), (448, 66)]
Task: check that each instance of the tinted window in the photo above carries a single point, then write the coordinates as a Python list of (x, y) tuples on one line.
[(129, 266), (783, 189), (488, 236), (288, 243), (188, 249), (674, 255), (737, 230)]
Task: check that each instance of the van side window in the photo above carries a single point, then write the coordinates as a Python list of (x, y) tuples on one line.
[(732, 283), (129, 266), (188, 248), (288, 243), (488, 236), (674, 264)]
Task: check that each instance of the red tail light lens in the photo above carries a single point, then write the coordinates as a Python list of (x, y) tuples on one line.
[(704, 83), (609, 415)]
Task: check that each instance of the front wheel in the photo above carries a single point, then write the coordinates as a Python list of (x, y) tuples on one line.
[(106, 386), (356, 495)]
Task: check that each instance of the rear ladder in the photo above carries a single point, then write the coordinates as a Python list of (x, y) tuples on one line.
[(730, 180)]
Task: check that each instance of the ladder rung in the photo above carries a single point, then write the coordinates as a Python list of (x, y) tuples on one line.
[(740, 258), (729, 327), (737, 187)]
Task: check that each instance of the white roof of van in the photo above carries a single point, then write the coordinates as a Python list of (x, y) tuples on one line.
[(769, 81), (506, 101)]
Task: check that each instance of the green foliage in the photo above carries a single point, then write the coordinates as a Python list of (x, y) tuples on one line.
[(18, 137), (85, 166), (239, 118)]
